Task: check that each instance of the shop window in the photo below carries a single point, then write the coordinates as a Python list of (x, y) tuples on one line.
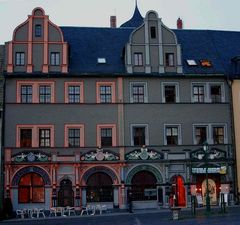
[(31, 189)]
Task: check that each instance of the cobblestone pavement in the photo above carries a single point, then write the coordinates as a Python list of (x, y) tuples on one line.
[(140, 217)]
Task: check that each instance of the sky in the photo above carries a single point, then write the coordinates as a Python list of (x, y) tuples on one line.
[(196, 14)]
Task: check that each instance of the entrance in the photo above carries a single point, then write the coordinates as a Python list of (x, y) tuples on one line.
[(212, 191), (178, 193), (65, 194), (144, 186), (99, 188)]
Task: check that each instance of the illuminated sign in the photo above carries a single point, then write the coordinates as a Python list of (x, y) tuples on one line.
[(221, 170)]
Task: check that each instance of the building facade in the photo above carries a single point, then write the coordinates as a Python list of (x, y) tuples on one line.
[(92, 114)]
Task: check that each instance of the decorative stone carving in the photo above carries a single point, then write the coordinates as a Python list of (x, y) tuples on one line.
[(30, 157), (144, 154), (99, 155), (214, 153)]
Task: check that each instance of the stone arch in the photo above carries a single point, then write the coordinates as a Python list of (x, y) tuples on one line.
[(65, 177), (149, 168), (103, 169), (31, 169), (38, 11)]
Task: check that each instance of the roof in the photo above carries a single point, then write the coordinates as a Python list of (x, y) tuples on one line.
[(89, 44), (135, 21), (217, 46)]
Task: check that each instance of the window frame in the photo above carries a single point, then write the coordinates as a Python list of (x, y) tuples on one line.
[(225, 134), (81, 138), (66, 88), (176, 84), (179, 134), (20, 58), (28, 95), (114, 134), (113, 91), (204, 85), (55, 59), (222, 97), (153, 32), (208, 140), (38, 30), (138, 58), (30, 189), (146, 126), (47, 97), (44, 137), (35, 134), (169, 62), (145, 94), (21, 140)]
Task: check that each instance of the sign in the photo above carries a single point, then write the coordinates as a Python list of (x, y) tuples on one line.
[(150, 192), (200, 170)]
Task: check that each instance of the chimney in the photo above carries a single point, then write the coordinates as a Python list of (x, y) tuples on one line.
[(179, 23), (113, 21)]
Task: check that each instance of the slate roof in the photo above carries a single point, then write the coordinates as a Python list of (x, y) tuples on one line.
[(135, 21), (217, 46), (89, 44)]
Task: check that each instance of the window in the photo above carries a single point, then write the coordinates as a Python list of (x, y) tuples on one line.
[(205, 63), (218, 135), (31, 189), (44, 137), (153, 32), (25, 138), (105, 94), (138, 92), (215, 92), (138, 59), (198, 93), (139, 136), (20, 59), (172, 136), (200, 134), (73, 137), (74, 94), (170, 92), (38, 30), (26, 93), (55, 59), (169, 59), (191, 62), (44, 93), (106, 137)]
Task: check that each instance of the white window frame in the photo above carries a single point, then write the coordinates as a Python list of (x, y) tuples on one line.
[(204, 84), (179, 133), (207, 129), (224, 125), (221, 84), (145, 91), (146, 133), (176, 84)]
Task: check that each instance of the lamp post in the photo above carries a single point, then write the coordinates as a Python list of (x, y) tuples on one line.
[(205, 156)]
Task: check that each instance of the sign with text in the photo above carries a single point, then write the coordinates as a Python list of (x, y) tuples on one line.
[(221, 170)]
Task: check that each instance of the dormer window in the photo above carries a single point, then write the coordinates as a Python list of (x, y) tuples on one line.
[(205, 63), (191, 62), (169, 59), (20, 59), (138, 59), (153, 32), (55, 59), (38, 30)]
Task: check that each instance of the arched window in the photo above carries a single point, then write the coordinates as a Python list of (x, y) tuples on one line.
[(31, 189), (99, 188), (144, 186)]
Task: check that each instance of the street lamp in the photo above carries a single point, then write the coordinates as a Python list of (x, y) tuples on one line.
[(205, 156)]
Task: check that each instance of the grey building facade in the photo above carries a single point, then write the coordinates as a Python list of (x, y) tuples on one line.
[(92, 114)]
